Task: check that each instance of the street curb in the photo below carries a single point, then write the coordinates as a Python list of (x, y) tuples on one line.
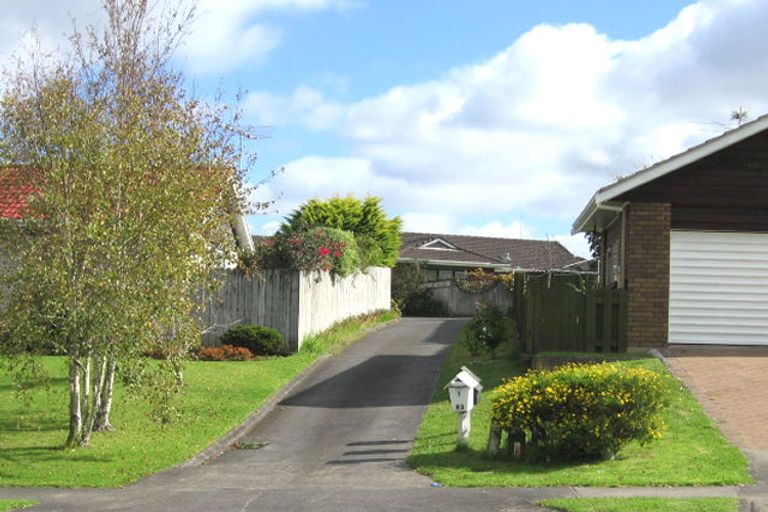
[(234, 435), (224, 443)]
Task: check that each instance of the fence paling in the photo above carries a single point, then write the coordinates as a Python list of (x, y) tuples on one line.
[(296, 304), (556, 313)]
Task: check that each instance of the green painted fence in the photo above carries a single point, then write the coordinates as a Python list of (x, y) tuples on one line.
[(566, 313)]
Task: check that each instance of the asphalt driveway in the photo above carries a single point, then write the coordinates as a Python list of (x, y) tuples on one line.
[(338, 443)]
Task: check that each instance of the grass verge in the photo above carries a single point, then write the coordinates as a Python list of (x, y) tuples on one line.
[(16, 504), (643, 504), (335, 339), (217, 397), (692, 452)]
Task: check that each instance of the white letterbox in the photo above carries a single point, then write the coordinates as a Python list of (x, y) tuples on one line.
[(464, 390)]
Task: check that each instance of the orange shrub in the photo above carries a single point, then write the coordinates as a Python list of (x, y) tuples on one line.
[(225, 353)]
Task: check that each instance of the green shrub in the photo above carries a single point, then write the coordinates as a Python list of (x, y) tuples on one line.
[(581, 412), (378, 237), (260, 340), (224, 353), (421, 303), (485, 331)]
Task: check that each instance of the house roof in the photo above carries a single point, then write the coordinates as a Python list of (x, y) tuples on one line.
[(483, 251), (604, 202), (14, 194)]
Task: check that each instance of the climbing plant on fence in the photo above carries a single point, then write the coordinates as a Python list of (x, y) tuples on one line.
[(479, 281), (316, 250)]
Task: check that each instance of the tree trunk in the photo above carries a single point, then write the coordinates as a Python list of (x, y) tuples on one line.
[(95, 405), (85, 393), (75, 415), (105, 407)]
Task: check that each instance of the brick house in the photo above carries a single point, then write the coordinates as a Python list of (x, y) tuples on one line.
[(688, 239)]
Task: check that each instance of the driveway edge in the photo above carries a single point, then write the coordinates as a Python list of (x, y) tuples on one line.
[(224, 443), (234, 435)]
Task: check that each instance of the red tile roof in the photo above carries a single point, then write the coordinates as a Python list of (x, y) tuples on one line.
[(14, 193)]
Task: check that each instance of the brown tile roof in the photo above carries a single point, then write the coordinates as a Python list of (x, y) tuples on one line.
[(517, 253)]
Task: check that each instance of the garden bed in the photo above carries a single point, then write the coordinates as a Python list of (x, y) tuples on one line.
[(692, 452)]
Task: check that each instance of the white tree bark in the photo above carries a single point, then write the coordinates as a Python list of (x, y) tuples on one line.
[(75, 415), (105, 407)]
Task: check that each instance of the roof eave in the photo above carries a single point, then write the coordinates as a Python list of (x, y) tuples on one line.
[(453, 263), (611, 192), (584, 217), (681, 160), (242, 233)]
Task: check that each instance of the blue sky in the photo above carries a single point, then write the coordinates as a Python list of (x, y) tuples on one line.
[(495, 118)]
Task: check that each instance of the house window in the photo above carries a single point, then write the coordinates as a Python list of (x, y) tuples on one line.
[(430, 274)]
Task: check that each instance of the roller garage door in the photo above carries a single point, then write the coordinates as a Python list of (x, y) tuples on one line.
[(718, 289)]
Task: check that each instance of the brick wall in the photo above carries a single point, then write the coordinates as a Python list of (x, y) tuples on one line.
[(647, 273)]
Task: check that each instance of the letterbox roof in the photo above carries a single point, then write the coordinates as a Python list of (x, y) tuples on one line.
[(466, 378)]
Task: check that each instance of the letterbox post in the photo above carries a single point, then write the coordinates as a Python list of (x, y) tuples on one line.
[(464, 391)]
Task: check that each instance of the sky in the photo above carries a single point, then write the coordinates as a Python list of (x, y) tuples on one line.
[(492, 117)]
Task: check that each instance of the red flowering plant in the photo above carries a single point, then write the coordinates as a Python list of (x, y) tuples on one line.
[(315, 250)]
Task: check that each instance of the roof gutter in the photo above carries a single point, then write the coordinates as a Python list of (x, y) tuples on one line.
[(454, 263), (592, 209)]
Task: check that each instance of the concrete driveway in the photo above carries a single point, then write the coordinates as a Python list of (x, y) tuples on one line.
[(732, 385), (338, 443)]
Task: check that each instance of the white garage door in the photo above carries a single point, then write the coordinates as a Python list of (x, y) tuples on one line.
[(718, 290)]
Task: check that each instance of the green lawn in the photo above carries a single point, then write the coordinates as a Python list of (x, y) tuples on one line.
[(643, 504), (15, 504), (692, 452), (217, 397)]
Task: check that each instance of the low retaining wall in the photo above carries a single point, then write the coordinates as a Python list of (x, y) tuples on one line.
[(298, 304)]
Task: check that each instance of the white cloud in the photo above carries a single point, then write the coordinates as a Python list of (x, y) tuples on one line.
[(228, 34), (542, 124), (50, 19), (577, 244), (224, 35), (265, 229), (308, 105), (445, 223)]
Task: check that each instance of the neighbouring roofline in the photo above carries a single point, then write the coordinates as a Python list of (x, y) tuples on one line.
[(601, 200), (454, 263), (448, 246), (504, 267)]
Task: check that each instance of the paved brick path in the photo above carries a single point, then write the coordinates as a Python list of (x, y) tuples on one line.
[(732, 385)]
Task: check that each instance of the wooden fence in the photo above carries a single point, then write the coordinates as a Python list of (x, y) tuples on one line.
[(565, 313), (297, 304), (459, 303)]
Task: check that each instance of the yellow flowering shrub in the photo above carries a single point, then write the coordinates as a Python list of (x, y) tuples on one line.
[(580, 411)]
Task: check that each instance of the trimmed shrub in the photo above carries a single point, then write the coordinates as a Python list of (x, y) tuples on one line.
[(377, 237), (485, 331), (581, 412), (225, 353), (260, 340)]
